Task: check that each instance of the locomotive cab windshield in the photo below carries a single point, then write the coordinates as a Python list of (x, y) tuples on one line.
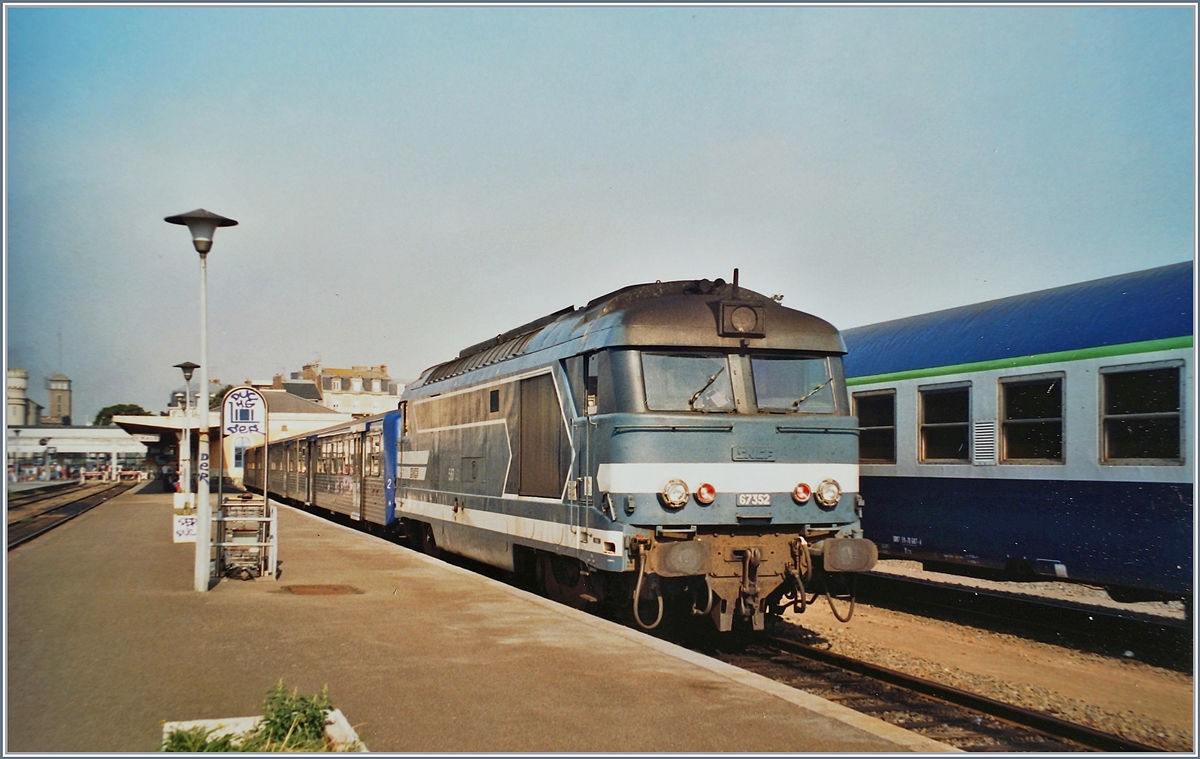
[(654, 380)]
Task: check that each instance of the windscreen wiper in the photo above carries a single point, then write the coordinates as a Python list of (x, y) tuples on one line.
[(811, 393), (698, 393)]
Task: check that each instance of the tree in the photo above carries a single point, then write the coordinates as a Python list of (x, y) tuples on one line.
[(104, 417), (214, 401)]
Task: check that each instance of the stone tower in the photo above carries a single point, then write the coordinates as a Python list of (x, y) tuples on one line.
[(58, 388), (18, 384)]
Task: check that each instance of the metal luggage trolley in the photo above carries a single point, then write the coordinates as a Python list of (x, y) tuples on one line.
[(247, 530), (246, 524)]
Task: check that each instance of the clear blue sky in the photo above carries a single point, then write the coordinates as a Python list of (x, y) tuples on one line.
[(410, 181)]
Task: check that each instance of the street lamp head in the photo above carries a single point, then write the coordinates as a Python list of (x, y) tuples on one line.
[(188, 368), (202, 224)]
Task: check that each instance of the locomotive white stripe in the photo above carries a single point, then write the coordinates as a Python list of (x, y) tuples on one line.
[(414, 458), (554, 533), (726, 477)]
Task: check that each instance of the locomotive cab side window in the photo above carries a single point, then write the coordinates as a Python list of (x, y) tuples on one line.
[(1140, 411), (877, 424), (945, 424), (1032, 422)]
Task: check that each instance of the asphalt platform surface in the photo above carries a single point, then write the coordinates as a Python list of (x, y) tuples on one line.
[(107, 640)]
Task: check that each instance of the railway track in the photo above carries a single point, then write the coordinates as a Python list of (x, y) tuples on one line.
[(34, 518), (43, 493), (1161, 641), (954, 717)]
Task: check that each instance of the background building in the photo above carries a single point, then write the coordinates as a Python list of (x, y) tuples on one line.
[(359, 390), (58, 390), (22, 411)]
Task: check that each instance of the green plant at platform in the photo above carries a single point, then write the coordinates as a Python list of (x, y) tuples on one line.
[(290, 722), (195, 739), (293, 720)]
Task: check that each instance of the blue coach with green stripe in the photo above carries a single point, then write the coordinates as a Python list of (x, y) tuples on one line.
[(1047, 434)]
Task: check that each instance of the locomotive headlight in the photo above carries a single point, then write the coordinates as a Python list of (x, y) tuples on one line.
[(676, 493), (828, 493), (802, 493), (706, 494)]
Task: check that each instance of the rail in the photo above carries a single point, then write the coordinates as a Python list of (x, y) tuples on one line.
[(1039, 721)]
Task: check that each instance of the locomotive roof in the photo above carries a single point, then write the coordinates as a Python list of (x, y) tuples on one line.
[(1154, 304), (683, 314)]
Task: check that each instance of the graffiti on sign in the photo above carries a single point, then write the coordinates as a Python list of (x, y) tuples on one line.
[(245, 411), (185, 528)]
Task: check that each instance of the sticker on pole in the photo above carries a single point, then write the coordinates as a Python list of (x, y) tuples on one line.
[(244, 411), (185, 528)]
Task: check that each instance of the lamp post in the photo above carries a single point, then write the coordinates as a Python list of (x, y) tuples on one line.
[(16, 454), (202, 224), (185, 458)]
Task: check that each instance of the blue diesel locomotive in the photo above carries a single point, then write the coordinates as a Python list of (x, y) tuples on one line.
[(670, 449), (1044, 435)]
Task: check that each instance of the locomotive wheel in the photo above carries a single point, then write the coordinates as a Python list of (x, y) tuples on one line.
[(429, 544), (414, 532), (560, 579)]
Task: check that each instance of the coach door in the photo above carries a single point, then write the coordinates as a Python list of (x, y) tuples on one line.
[(355, 457)]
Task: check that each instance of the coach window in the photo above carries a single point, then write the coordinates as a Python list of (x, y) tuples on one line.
[(1141, 415), (876, 414), (376, 456), (1032, 425), (945, 424)]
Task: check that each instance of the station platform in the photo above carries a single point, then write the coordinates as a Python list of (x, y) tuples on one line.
[(107, 640), (47, 485)]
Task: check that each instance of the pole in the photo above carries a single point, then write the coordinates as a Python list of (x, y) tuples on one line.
[(204, 509), (185, 459)]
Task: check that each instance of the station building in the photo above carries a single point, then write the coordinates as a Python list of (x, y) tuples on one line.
[(50, 452), (287, 414)]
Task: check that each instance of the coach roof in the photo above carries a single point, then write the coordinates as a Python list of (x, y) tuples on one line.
[(1155, 304)]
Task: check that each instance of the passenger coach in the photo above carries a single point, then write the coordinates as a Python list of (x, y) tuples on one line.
[(1048, 434), (346, 469)]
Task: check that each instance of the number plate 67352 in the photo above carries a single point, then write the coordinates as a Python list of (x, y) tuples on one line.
[(754, 499)]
